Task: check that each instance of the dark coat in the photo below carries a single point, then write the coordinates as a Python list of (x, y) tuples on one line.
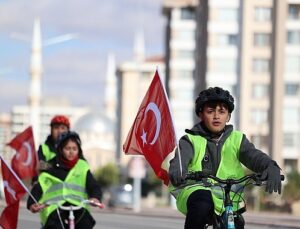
[(58, 170), (50, 143)]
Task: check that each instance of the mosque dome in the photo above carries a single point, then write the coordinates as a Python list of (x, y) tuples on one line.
[(96, 131), (94, 122)]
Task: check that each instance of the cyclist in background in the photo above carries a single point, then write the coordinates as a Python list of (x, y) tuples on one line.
[(215, 148), (67, 179), (47, 150), (58, 125)]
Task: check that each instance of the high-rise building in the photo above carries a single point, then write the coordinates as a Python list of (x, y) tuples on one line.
[(180, 63), (249, 47)]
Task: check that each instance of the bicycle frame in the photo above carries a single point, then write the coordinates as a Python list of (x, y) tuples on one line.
[(72, 208), (228, 215)]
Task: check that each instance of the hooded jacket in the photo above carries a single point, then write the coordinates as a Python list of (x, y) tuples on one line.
[(251, 157)]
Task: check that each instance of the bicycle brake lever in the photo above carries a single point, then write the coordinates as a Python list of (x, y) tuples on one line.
[(258, 183), (257, 180)]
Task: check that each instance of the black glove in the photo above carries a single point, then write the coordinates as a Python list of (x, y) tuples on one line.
[(176, 178), (272, 175)]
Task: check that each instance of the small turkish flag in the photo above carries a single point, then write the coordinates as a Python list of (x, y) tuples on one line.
[(24, 162), (13, 190), (152, 133)]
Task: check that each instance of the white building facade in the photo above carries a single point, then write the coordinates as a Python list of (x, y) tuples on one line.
[(253, 51)]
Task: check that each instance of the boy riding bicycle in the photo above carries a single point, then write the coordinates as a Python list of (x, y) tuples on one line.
[(68, 181), (215, 148)]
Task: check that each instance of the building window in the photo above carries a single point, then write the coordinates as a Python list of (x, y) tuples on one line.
[(259, 116), (185, 34), (227, 14), (294, 11), (260, 141), (291, 115), (227, 39), (260, 65), (262, 14), (290, 140), (184, 74), (262, 39), (293, 37), (188, 13), (292, 64), (223, 65), (291, 89), (185, 54), (260, 91)]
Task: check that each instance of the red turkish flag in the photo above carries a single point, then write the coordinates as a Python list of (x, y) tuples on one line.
[(24, 162), (9, 216), (152, 133), (13, 190)]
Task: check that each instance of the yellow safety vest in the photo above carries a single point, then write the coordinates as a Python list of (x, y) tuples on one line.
[(47, 152), (71, 190), (229, 167)]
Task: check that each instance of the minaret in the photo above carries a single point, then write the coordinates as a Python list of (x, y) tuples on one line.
[(35, 82), (139, 46), (110, 88)]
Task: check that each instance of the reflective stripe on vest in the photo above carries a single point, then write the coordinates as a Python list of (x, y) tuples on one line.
[(229, 167), (48, 154), (71, 190)]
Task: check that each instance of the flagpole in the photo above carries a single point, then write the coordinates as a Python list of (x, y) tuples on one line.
[(19, 180), (176, 139)]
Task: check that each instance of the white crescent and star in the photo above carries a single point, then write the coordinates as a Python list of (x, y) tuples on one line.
[(29, 154), (153, 107), (9, 189)]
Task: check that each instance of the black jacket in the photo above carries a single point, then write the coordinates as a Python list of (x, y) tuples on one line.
[(41, 157), (58, 170), (252, 158), (50, 143)]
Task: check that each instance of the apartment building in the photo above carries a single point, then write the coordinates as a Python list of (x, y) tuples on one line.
[(249, 47), (180, 60), (20, 117)]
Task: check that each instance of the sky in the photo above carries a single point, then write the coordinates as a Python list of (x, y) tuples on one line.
[(74, 70)]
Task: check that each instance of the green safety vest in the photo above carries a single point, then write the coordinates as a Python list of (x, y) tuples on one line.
[(229, 167), (71, 190), (47, 152)]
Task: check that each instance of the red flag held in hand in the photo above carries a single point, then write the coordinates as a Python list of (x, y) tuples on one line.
[(152, 133), (13, 190), (24, 161), (9, 216)]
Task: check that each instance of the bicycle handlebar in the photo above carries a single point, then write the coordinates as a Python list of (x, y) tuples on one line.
[(199, 175), (72, 207)]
